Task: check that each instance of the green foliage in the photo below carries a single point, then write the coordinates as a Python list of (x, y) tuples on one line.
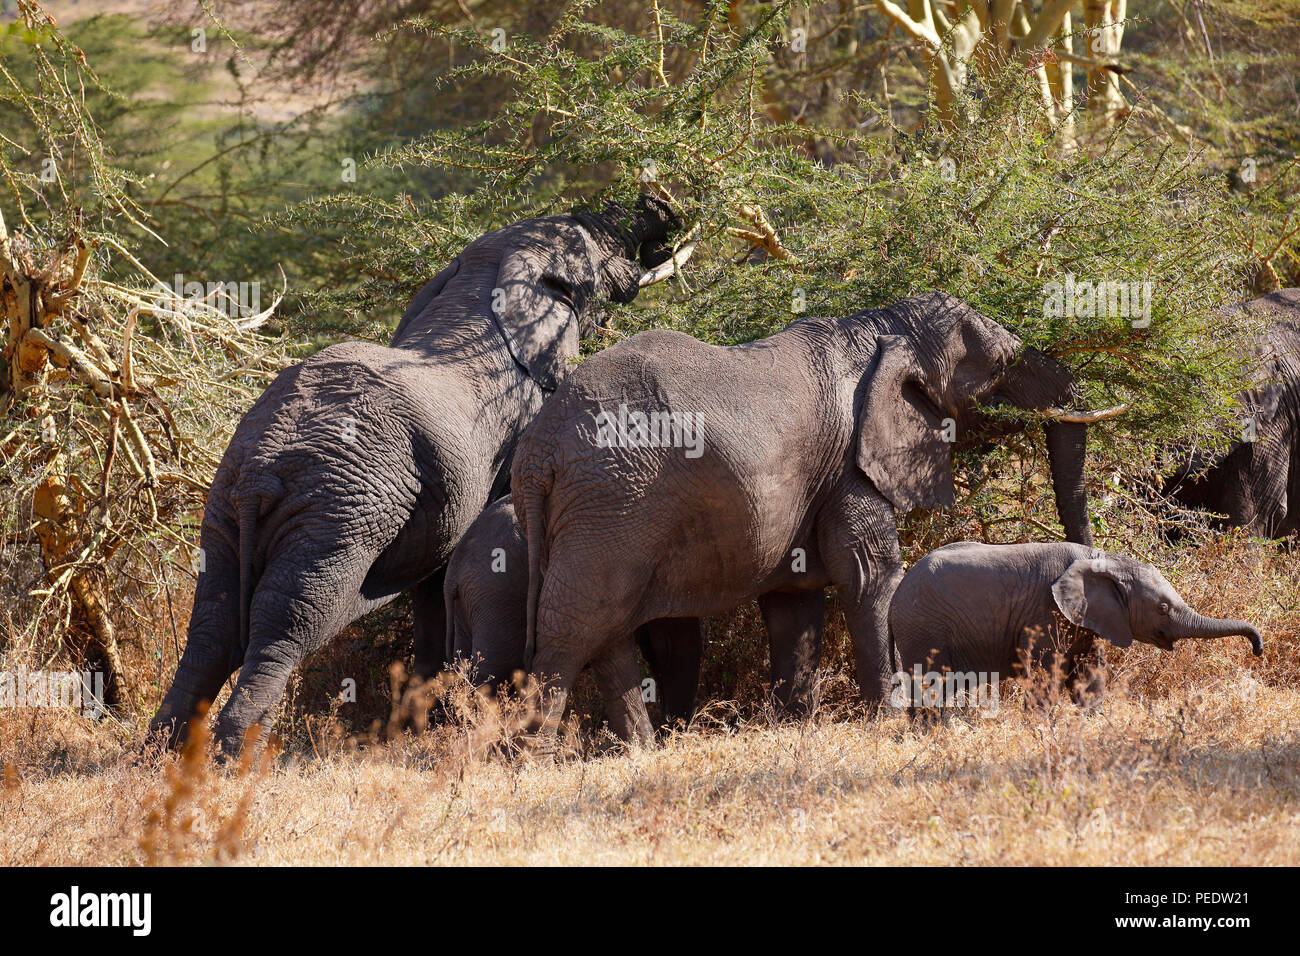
[(54, 165), (992, 211), (811, 183), (117, 397), (1225, 73)]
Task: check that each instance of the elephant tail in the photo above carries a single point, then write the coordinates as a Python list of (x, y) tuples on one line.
[(249, 509), (450, 595), (255, 497), (533, 538), (894, 657)]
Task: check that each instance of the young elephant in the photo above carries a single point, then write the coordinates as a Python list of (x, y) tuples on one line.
[(486, 592), (973, 608)]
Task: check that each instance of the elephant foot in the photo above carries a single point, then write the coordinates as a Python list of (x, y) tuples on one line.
[(234, 749), (925, 719), (1088, 697), (539, 748), (165, 733), (794, 706)]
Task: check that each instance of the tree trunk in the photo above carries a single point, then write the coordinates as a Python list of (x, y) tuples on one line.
[(31, 299), (1105, 32)]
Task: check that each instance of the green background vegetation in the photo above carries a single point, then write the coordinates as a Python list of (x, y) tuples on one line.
[(820, 179)]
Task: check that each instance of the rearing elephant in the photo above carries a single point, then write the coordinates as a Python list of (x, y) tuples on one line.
[(668, 478), (355, 473), (1256, 485)]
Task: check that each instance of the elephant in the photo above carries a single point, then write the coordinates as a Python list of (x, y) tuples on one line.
[(486, 591), (671, 478), (1256, 485), (353, 476), (988, 609)]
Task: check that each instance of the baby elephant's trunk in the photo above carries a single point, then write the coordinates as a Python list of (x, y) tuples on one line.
[(1200, 627)]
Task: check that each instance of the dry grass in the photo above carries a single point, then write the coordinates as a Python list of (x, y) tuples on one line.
[(1209, 777), (1194, 758)]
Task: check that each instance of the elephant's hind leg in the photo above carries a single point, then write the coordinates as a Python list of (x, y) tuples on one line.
[(212, 651), (575, 628), (430, 614), (295, 610), (795, 624), (618, 677), (674, 648)]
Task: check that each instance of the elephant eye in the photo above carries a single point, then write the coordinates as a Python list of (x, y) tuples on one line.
[(1164, 607)]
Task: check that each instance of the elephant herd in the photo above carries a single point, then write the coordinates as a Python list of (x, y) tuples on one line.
[(547, 516)]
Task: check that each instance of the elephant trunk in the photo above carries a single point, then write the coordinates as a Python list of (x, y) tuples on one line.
[(1195, 626), (1067, 445), (640, 232), (1039, 382)]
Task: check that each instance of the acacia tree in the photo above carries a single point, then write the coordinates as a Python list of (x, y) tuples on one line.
[(1213, 75), (989, 209), (116, 394), (961, 36)]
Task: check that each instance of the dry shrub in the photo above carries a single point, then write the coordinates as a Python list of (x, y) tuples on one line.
[(1191, 757), (185, 822)]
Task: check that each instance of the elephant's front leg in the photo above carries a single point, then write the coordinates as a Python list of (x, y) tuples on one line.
[(796, 621), (1085, 673), (1259, 502), (858, 539)]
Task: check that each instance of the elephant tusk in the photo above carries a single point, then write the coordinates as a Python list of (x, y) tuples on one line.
[(666, 269), (1085, 417)]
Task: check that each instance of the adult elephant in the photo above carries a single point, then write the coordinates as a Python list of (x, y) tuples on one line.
[(1256, 485), (355, 473), (669, 478)]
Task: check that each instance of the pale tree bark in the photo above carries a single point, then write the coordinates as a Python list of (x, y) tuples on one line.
[(31, 298), (1104, 22), (957, 37)]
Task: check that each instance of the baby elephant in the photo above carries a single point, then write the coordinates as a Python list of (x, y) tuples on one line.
[(980, 609), (486, 593)]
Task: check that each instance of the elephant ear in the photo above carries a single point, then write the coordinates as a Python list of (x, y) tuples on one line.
[(900, 444), (535, 303), (1089, 595), (1263, 402)]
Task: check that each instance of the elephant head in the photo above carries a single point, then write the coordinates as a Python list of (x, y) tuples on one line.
[(1123, 600), (627, 237), (940, 364), (547, 296), (543, 282)]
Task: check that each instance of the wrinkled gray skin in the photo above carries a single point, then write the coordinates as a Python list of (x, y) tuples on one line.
[(1256, 486), (486, 592), (356, 472), (812, 439), (985, 607)]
